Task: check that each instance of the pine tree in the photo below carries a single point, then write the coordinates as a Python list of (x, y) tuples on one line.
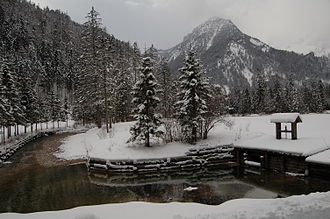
[(28, 96), (234, 101), (318, 97), (92, 79), (65, 111), (6, 116), (307, 101), (292, 97), (122, 96), (246, 102), (136, 58), (166, 83), (191, 103), (144, 93), (55, 108), (10, 94), (278, 97), (260, 93)]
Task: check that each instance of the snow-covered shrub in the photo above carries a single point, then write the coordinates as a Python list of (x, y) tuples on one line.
[(173, 130)]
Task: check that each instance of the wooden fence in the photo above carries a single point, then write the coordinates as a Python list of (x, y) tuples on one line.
[(208, 157)]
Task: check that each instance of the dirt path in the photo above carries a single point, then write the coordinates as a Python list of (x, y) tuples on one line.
[(44, 155), (40, 153)]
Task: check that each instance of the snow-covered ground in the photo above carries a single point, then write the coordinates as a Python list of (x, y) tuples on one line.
[(257, 132), (314, 205), (97, 143), (250, 132)]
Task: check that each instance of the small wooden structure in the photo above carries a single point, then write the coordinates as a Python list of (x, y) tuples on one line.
[(292, 118)]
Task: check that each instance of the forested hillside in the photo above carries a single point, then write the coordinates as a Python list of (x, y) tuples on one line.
[(48, 62)]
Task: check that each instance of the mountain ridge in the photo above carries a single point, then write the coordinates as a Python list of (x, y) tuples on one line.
[(233, 58)]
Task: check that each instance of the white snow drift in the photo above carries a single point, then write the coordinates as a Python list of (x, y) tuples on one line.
[(315, 205)]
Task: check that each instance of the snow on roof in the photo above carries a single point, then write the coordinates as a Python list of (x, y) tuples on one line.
[(285, 118)]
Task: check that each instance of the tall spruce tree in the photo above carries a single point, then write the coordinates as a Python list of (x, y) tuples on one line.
[(92, 79), (146, 101), (292, 97), (191, 103), (166, 83), (260, 93), (10, 93)]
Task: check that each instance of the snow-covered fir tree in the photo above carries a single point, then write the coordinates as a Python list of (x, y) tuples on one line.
[(191, 105), (246, 104), (167, 85), (10, 95), (277, 103), (55, 108), (260, 93), (146, 101), (92, 83), (292, 98), (28, 95)]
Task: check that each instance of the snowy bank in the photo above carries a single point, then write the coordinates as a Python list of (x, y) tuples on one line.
[(98, 144), (314, 205), (255, 132)]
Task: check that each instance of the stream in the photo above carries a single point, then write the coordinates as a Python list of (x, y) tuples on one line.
[(34, 182)]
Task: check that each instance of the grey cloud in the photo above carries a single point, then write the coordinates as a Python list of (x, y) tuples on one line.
[(300, 25)]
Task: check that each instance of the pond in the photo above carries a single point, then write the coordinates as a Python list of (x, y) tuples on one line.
[(28, 187)]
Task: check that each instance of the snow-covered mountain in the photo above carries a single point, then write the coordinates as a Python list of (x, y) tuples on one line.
[(233, 58)]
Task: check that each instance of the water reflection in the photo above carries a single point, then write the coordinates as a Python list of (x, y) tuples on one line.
[(25, 187)]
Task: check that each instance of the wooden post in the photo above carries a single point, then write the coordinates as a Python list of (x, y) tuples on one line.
[(278, 131), (283, 164), (294, 131), (239, 157), (266, 162)]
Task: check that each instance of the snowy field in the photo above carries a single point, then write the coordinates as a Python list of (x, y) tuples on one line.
[(314, 206), (250, 132)]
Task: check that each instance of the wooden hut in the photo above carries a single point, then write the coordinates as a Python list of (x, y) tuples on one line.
[(292, 118)]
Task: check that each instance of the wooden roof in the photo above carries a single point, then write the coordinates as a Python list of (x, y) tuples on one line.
[(285, 118)]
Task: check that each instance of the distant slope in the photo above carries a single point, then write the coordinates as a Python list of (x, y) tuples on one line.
[(48, 40), (233, 58)]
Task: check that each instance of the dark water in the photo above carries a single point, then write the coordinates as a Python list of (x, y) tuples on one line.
[(26, 187)]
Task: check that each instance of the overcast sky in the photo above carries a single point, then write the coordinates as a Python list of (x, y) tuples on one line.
[(299, 25)]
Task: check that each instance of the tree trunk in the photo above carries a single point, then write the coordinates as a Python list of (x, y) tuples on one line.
[(194, 135), (4, 134), (25, 129), (147, 143), (205, 134), (8, 132), (36, 126), (17, 129), (106, 101), (98, 118)]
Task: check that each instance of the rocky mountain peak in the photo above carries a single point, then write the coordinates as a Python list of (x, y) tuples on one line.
[(205, 33), (232, 58)]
